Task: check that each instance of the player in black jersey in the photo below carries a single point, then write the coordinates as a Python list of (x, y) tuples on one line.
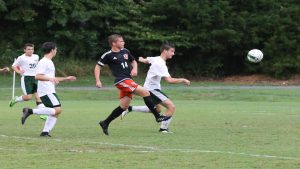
[(123, 66)]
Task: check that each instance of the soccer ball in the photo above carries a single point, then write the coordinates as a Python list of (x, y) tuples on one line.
[(255, 55)]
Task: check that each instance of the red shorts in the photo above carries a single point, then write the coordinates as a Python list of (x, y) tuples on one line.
[(127, 87)]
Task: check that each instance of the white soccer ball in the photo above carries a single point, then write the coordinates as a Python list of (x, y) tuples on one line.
[(255, 55)]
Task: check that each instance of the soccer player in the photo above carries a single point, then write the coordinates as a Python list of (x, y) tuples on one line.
[(45, 74), (158, 70), (25, 65), (5, 69), (123, 67)]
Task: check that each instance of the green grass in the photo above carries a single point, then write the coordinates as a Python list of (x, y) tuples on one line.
[(213, 128)]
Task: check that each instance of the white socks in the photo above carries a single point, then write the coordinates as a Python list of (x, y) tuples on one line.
[(44, 111), (49, 124), (165, 124), (19, 99), (144, 109), (40, 106)]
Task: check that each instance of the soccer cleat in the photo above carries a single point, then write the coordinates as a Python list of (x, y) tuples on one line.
[(124, 113), (166, 131), (162, 118), (13, 101), (44, 117), (45, 134), (104, 127), (26, 113)]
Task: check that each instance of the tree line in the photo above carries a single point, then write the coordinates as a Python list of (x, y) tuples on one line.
[(212, 38)]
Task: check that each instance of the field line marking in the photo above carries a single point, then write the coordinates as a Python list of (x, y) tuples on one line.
[(150, 149)]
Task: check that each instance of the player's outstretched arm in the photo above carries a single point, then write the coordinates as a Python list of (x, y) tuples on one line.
[(64, 79), (143, 60), (42, 77), (6, 69), (97, 73), (134, 70), (177, 80), (55, 80)]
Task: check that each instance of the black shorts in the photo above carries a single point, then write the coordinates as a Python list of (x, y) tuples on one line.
[(158, 96)]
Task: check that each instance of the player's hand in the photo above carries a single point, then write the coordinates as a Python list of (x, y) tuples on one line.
[(186, 82), (140, 59), (21, 72), (99, 84), (71, 78), (143, 60), (133, 72)]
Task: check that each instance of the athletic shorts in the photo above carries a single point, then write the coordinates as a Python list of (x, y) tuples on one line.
[(51, 100), (158, 96), (28, 85), (126, 87)]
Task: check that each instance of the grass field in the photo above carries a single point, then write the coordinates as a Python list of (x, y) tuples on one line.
[(214, 128)]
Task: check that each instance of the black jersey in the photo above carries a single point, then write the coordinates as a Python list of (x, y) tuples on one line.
[(119, 64)]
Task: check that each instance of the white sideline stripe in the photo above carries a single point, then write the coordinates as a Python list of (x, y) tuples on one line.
[(149, 149)]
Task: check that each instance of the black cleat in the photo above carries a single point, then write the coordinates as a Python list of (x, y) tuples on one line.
[(26, 113), (45, 134), (104, 127), (162, 118)]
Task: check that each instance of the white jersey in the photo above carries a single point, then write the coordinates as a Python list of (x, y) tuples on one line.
[(27, 63), (157, 70), (45, 67)]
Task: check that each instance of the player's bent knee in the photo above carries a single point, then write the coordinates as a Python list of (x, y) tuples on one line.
[(58, 111), (171, 107), (142, 91), (124, 107)]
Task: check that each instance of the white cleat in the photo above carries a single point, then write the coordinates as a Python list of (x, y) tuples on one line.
[(124, 113)]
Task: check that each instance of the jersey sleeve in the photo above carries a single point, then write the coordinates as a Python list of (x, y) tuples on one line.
[(130, 56), (41, 68), (163, 71), (103, 60), (17, 62), (150, 59)]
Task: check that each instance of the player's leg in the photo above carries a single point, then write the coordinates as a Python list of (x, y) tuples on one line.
[(161, 98), (145, 109), (52, 109), (170, 109), (51, 101), (38, 100), (141, 91), (17, 99), (50, 122), (27, 87), (39, 104), (125, 99)]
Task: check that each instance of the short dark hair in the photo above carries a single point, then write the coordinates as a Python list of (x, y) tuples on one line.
[(166, 46), (113, 38), (48, 46), (28, 45)]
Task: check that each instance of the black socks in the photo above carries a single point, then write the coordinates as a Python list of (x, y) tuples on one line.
[(113, 115), (148, 101)]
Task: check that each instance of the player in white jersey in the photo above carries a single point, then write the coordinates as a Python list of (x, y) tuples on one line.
[(158, 70), (45, 74), (25, 65)]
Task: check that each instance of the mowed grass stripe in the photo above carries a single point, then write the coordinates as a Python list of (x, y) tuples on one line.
[(126, 148)]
